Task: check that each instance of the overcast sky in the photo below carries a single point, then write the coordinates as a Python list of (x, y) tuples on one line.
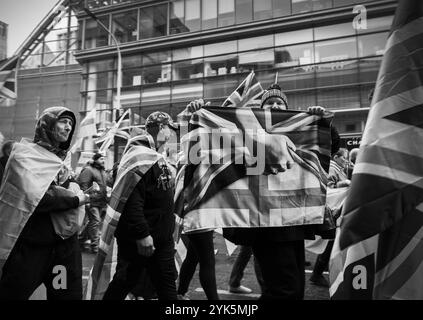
[(22, 16)]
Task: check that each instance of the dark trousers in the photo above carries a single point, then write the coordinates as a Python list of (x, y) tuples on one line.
[(160, 267), (239, 266), (282, 267), (200, 250), (29, 266), (322, 260)]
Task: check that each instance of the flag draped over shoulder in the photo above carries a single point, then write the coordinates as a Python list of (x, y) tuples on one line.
[(219, 192), (378, 251), (136, 161), (20, 195), (8, 82)]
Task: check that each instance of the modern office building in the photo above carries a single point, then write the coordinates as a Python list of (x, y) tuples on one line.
[(3, 40), (325, 52)]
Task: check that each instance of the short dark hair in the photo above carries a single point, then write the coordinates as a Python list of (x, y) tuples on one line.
[(97, 156)]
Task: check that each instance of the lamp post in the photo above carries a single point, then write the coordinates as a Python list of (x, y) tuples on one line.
[(119, 62)]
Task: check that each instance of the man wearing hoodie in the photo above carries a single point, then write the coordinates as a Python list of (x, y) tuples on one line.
[(39, 222), (94, 172)]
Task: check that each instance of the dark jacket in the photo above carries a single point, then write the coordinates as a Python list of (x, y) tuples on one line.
[(249, 236), (93, 172), (3, 162), (148, 211)]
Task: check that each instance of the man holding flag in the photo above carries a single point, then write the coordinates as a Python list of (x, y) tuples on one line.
[(378, 251)]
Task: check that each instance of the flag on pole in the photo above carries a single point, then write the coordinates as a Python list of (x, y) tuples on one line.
[(8, 82), (248, 93), (87, 128), (120, 129), (378, 251)]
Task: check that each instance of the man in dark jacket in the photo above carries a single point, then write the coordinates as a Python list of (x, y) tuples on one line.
[(41, 233), (94, 172), (145, 229)]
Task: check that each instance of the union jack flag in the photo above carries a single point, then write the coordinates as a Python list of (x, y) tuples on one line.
[(219, 193), (248, 93), (119, 129), (8, 82), (378, 251)]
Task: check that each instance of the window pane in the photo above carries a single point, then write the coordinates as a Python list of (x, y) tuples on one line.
[(372, 44), (256, 60), (221, 65), (332, 74), (101, 80), (125, 26), (262, 9), (294, 55), (244, 11), (153, 21), (155, 57), (340, 3), (339, 98), (130, 97), (369, 69), (296, 78), (188, 53), (220, 87), (281, 8), (177, 17), (334, 31), (321, 4), (189, 69), (156, 74), (333, 50), (297, 36), (301, 100), (226, 13), (154, 95), (102, 65), (220, 48), (377, 24), (187, 91), (95, 35), (299, 6), (209, 14), (131, 61), (192, 15), (132, 77), (255, 43)]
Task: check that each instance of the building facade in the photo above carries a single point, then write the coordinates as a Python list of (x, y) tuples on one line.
[(3, 40), (180, 50)]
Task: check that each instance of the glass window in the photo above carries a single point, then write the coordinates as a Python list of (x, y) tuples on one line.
[(296, 78), (209, 9), (334, 31), (95, 34), (220, 48), (102, 65), (301, 100), (221, 65), (192, 15), (294, 55), (220, 87), (226, 13), (299, 6), (377, 24), (153, 21), (372, 44), (156, 74), (255, 43), (339, 98), (155, 57), (188, 53), (125, 26), (187, 91), (157, 94), (262, 9), (296, 36), (243, 11), (100, 80), (332, 74), (177, 17), (334, 50), (188, 69), (132, 77), (256, 60), (321, 4), (131, 61), (130, 97), (281, 8), (340, 3), (369, 69)]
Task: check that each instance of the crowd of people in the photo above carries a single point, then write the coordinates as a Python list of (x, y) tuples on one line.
[(46, 233)]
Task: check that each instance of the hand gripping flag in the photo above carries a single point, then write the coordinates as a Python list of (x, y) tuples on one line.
[(219, 192), (378, 251), (136, 161)]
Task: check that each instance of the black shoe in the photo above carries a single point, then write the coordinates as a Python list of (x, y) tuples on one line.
[(319, 280), (307, 263)]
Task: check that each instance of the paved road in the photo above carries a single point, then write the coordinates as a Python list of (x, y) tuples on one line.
[(223, 268)]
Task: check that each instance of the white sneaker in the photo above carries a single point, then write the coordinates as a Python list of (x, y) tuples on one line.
[(240, 289)]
